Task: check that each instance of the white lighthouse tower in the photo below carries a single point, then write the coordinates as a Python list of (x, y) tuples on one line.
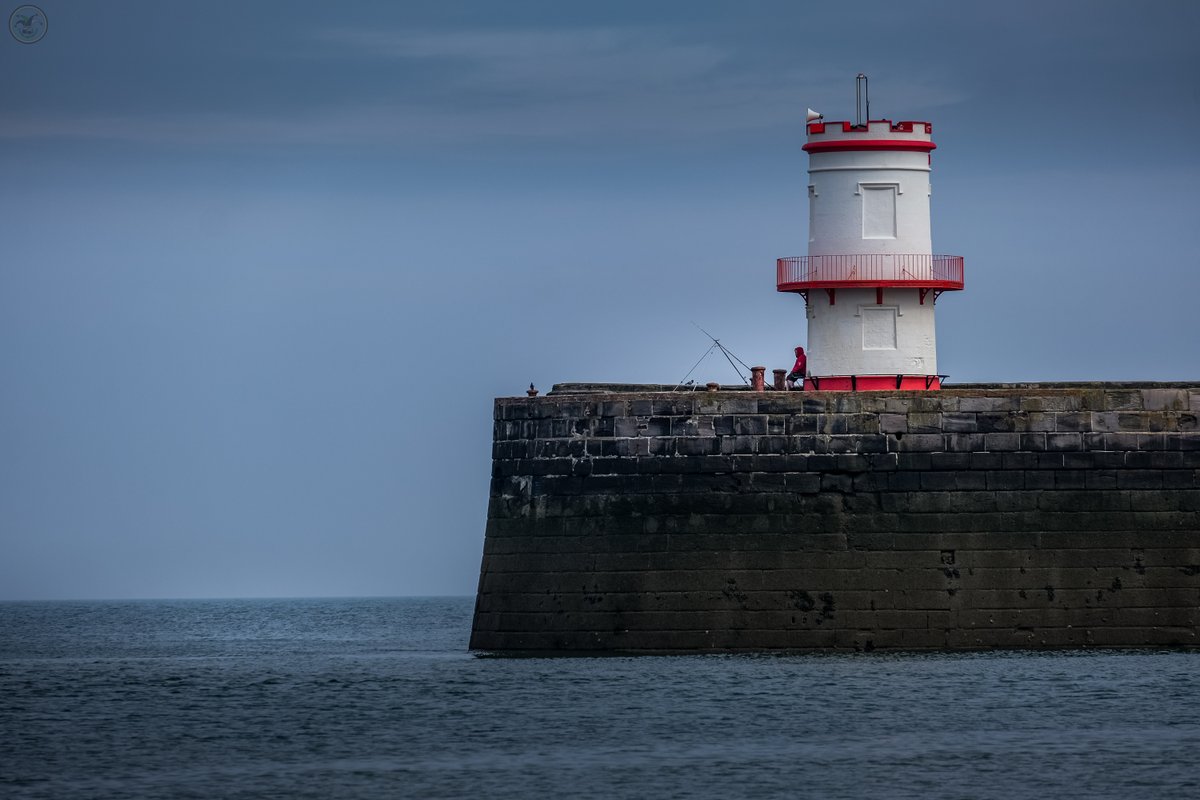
[(870, 278)]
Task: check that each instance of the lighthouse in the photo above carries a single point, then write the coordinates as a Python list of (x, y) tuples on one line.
[(870, 281)]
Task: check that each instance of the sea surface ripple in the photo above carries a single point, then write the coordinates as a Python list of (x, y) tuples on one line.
[(378, 698)]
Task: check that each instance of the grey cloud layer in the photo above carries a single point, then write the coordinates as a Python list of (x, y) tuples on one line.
[(439, 88)]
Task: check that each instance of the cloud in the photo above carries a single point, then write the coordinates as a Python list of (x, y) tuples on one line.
[(541, 63), (437, 89)]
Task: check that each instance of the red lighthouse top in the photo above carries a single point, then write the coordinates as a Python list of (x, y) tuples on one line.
[(876, 134)]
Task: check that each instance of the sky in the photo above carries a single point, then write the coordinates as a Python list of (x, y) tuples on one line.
[(266, 265)]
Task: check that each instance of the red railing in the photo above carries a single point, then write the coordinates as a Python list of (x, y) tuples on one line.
[(869, 269)]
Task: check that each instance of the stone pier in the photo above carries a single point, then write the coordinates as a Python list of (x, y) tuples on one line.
[(633, 519)]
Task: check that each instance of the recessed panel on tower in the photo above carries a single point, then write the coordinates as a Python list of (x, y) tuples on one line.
[(879, 327), (879, 212)]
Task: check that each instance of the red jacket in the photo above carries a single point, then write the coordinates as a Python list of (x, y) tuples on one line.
[(801, 365)]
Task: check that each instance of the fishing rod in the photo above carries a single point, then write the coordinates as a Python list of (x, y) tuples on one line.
[(729, 356), (693, 369)]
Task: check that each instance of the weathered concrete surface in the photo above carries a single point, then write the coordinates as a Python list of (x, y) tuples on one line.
[(975, 517)]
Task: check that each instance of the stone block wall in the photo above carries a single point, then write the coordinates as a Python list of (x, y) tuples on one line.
[(1047, 515)]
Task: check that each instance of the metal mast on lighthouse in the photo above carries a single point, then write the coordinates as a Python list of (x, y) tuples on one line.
[(870, 278)]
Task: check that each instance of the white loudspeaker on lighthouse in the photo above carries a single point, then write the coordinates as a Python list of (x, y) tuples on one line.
[(813, 116), (870, 278)]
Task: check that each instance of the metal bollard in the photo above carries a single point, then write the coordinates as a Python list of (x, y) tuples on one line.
[(757, 382)]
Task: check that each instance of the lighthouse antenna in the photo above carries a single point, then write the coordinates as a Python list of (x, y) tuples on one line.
[(862, 97)]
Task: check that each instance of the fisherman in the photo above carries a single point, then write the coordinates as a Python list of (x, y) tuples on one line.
[(799, 370)]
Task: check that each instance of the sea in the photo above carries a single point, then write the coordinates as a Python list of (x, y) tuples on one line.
[(380, 698)]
